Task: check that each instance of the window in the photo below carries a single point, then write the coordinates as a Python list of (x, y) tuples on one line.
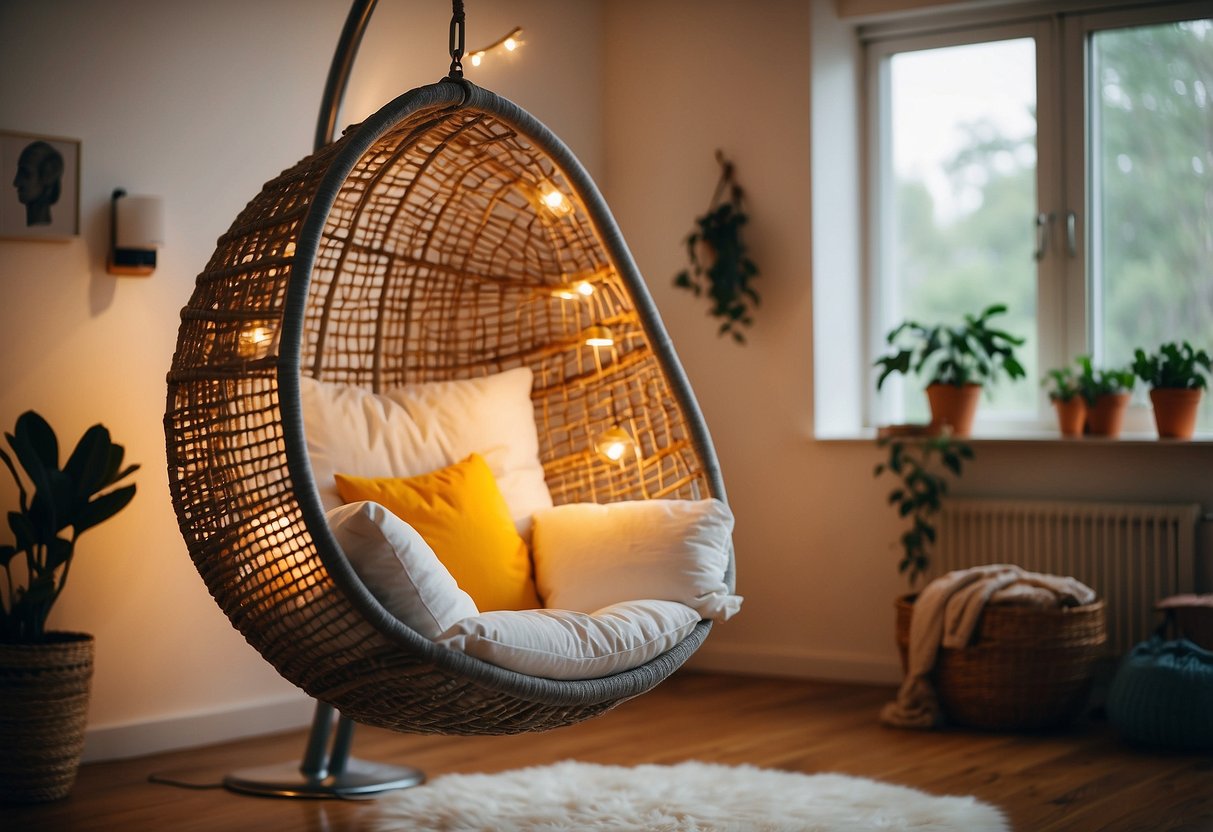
[(1062, 165)]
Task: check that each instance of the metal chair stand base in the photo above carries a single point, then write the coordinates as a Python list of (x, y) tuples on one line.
[(325, 772)]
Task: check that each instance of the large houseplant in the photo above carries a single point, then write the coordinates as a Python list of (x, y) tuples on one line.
[(44, 675), (957, 361), (1176, 374)]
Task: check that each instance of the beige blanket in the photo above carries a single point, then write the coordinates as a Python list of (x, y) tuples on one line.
[(946, 614)]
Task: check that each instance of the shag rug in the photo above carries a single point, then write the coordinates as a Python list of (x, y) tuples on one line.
[(688, 797)]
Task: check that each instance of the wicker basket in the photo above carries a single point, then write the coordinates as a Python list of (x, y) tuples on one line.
[(1027, 669), (44, 691)]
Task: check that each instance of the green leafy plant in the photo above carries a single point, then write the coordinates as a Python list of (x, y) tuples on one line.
[(970, 353), (64, 504), (1173, 366), (719, 262), (1095, 382), (921, 468), (1064, 383)]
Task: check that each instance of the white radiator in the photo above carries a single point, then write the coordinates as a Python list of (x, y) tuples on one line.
[(1130, 554)]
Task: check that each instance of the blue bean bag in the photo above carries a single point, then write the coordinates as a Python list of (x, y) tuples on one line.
[(1162, 695)]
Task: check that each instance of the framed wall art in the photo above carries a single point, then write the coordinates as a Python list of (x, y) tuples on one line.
[(39, 187)]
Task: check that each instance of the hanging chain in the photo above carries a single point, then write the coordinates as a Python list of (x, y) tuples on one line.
[(456, 38)]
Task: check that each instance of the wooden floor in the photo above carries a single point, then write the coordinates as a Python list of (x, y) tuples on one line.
[(1082, 780)]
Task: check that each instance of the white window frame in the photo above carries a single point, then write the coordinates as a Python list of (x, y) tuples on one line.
[(1066, 296)]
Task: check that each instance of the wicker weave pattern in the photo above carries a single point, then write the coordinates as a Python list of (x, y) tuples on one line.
[(44, 691), (429, 257)]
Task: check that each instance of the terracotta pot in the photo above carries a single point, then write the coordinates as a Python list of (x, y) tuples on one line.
[(1175, 412), (1107, 415), (953, 406), (1071, 415), (44, 690)]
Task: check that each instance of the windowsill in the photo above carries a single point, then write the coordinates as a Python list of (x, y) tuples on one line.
[(1038, 437)]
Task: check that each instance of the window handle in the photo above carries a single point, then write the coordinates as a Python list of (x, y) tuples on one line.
[(1042, 234), (1071, 235)]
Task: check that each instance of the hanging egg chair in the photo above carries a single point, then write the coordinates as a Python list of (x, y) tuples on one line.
[(449, 236)]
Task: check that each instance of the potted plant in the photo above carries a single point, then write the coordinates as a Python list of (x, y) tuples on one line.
[(1176, 375), (1106, 391), (957, 362), (1067, 400), (719, 262), (44, 675)]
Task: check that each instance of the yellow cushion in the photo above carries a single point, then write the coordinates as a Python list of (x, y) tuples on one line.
[(460, 512)]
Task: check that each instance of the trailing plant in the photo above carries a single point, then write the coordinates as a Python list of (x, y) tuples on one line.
[(1173, 366), (922, 485), (719, 262), (64, 504), (972, 352)]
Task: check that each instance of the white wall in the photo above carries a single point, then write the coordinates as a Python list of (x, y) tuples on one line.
[(199, 103), (814, 539)]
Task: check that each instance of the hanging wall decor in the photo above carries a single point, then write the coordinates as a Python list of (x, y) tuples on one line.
[(720, 264)]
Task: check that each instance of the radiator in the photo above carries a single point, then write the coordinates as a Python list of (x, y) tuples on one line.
[(1130, 554)]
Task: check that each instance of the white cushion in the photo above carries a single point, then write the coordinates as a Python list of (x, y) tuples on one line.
[(588, 556), (418, 428), (399, 568), (561, 644)]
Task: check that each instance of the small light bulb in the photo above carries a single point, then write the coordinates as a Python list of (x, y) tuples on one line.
[(477, 58), (289, 251), (598, 336), (564, 294), (615, 444), (553, 199), (510, 44), (253, 341), (584, 288)]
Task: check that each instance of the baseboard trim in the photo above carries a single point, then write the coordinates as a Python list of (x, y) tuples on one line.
[(138, 739), (780, 660)]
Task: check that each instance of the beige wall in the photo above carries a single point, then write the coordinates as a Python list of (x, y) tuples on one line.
[(199, 103), (814, 539), (202, 102)]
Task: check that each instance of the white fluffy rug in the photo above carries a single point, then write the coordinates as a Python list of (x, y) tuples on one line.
[(689, 797)]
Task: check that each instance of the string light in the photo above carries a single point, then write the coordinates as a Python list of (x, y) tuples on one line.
[(507, 43), (574, 291), (553, 199), (254, 341), (615, 445), (598, 336)]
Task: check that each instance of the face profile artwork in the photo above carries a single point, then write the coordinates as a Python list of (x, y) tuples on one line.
[(38, 181), (39, 188)]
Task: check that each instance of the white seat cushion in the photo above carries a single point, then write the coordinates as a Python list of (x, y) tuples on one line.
[(562, 644), (419, 428), (399, 568), (588, 556)]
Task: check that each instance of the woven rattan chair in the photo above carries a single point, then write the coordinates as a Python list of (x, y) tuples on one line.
[(419, 247)]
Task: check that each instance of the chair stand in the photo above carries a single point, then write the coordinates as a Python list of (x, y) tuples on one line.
[(326, 772)]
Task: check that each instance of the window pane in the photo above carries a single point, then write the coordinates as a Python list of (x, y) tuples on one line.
[(958, 210), (1151, 169)]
